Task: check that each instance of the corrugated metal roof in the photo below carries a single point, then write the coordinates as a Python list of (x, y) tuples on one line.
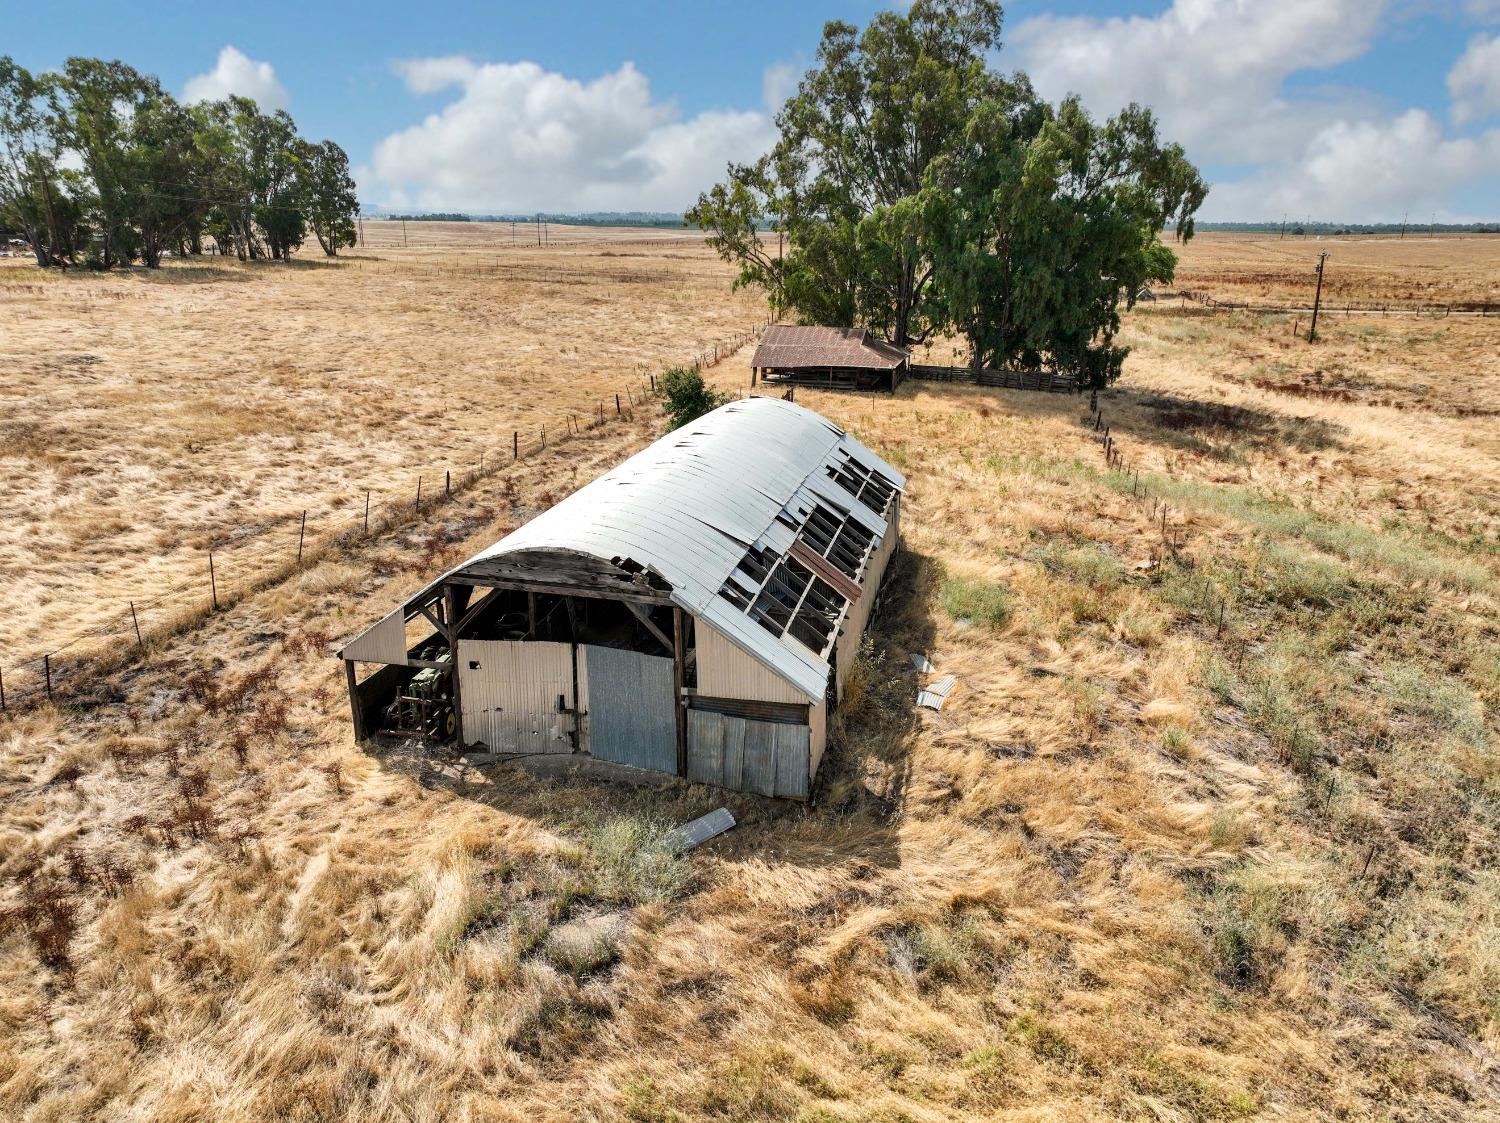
[(689, 505), (786, 346)]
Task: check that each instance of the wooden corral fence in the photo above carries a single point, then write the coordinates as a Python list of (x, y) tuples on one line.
[(1041, 380), (154, 616)]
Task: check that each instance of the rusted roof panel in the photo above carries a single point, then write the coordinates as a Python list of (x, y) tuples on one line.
[(789, 346)]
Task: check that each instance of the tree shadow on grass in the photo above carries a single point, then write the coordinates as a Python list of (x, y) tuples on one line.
[(1216, 429)]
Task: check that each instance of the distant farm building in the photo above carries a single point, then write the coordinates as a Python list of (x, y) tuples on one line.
[(836, 358), (694, 611)]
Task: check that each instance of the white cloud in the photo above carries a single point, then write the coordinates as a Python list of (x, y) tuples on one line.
[(237, 73), (1369, 170), (521, 138), (1474, 81), (1213, 70), (1216, 73)]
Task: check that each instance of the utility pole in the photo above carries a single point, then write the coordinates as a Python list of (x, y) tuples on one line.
[(403, 233), (361, 231), (1283, 227), (1312, 331), (539, 228), (1405, 215)]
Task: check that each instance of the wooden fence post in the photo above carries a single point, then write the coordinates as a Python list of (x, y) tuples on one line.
[(301, 536), (419, 493), (447, 483), (367, 512), (618, 411), (2, 690), (136, 621)]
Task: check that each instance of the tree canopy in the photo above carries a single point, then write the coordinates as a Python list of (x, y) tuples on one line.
[(100, 166), (916, 191)]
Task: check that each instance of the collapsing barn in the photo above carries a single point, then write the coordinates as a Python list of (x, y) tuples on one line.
[(829, 358), (694, 611)]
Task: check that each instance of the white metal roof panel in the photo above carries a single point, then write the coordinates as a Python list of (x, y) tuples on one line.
[(690, 504)]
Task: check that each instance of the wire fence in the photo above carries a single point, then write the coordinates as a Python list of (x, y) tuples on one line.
[(1345, 307), (229, 574)]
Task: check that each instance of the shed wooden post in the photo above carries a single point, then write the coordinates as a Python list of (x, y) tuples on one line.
[(450, 627), (355, 709), (679, 681)]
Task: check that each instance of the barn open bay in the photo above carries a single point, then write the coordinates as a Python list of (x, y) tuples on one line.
[(1172, 848)]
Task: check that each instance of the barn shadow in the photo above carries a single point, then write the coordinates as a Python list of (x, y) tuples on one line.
[(858, 797)]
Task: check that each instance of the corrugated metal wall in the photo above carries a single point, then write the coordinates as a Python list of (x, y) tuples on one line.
[(766, 757), (631, 717), (726, 671), (510, 691), (847, 648)]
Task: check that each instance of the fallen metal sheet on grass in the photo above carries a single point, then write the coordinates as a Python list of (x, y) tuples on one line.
[(936, 693), (702, 829), (919, 661)]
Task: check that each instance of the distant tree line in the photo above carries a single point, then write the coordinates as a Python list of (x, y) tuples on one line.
[(919, 193), (436, 217), (99, 166)]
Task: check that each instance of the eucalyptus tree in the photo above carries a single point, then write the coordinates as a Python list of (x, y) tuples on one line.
[(842, 183), (327, 194), (34, 196), (916, 191)]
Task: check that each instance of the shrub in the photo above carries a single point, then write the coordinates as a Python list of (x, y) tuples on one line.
[(980, 601), (688, 396), (635, 861)]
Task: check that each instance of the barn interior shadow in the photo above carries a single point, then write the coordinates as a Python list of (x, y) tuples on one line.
[(857, 800)]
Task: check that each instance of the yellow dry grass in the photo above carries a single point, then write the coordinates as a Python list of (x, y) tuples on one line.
[(1142, 866), (151, 417), (1416, 270)]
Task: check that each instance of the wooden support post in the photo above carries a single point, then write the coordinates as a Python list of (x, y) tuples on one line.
[(450, 622), (213, 584), (301, 536), (47, 670), (531, 615), (356, 711), (679, 681), (136, 621)]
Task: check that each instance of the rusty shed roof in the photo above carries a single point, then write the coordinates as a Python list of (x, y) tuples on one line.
[(787, 346)]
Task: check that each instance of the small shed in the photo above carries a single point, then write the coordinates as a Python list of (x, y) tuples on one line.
[(694, 611), (828, 358)]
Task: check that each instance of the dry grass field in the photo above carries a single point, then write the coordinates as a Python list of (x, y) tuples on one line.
[(148, 418), (1416, 270), (1208, 832)]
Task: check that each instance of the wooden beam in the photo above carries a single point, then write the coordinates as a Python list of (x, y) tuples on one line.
[(450, 612), (433, 620), (356, 708), (679, 680), (661, 636), (635, 594)]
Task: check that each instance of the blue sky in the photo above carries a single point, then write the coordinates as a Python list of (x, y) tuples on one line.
[(1344, 110)]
